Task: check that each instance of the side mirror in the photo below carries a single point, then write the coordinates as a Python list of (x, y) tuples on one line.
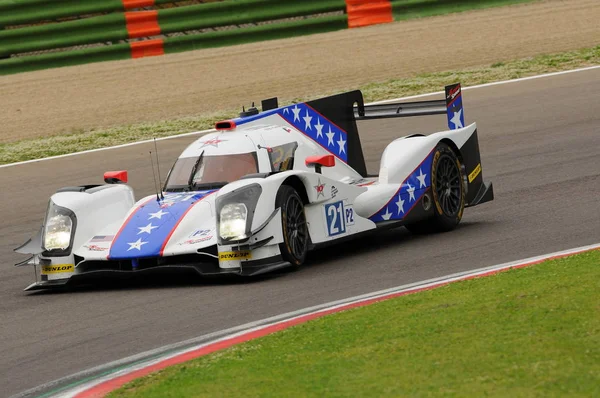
[(320, 161), (115, 177)]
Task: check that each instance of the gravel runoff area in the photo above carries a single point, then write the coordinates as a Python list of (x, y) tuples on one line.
[(75, 99)]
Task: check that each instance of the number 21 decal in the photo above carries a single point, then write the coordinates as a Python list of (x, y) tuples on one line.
[(338, 216)]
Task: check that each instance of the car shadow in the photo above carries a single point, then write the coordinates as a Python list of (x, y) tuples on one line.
[(392, 238)]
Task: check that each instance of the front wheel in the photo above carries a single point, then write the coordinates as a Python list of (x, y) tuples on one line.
[(447, 186), (293, 224)]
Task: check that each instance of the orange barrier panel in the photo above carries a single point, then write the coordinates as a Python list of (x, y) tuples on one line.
[(142, 23), (147, 48), (129, 4), (368, 12)]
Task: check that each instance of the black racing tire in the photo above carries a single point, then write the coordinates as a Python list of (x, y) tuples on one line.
[(448, 191), (294, 227)]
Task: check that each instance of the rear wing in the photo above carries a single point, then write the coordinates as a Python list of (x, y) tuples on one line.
[(452, 106)]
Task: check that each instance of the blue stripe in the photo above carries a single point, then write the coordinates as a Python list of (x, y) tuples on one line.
[(151, 225), (456, 113), (310, 123), (402, 202)]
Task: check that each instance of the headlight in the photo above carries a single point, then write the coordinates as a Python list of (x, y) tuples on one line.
[(232, 222), (58, 230), (235, 212)]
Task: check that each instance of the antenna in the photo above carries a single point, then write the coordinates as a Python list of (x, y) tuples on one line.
[(158, 167), (154, 176)]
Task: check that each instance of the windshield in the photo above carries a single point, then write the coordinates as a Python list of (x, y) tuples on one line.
[(207, 172)]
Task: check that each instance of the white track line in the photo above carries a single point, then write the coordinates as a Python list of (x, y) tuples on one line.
[(373, 103), (178, 349)]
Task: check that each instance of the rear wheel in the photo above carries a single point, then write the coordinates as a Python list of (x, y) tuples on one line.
[(293, 224), (447, 186)]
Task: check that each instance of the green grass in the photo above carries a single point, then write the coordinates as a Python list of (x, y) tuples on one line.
[(521, 333), (82, 140), (409, 9)]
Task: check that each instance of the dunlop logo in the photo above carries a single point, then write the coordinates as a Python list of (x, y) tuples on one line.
[(58, 268), (229, 256), (476, 171)]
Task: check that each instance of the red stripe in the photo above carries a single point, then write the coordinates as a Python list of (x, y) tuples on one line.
[(147, 48), (368, 12), (130, 4), (108, 386), (126, 222), (142, 23), (162, 249)]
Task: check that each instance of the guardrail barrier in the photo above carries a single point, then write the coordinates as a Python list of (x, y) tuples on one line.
[(40, 34)]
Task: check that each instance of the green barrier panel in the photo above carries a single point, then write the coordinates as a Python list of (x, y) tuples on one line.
[(112, 27), (255, 33), (405, 9), (65, 58), (18, 12), (240, 12), (101, 29), (177, 44)]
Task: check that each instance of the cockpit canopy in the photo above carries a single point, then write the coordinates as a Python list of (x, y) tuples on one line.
[(210, 171)]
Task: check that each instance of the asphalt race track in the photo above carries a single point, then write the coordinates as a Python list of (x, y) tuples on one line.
[(540, 144)]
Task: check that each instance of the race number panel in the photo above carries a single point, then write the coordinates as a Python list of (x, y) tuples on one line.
[(335, 216)]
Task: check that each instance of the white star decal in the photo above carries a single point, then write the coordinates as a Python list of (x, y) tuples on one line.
[(421, 177), (296, 111), (400, 204), (411, 192), (136, 245), (319, 128), (286, 111), (330, 136), (158, 214), (342, 144), (307, 120), (456, 119), (387, 215), (147, 229)]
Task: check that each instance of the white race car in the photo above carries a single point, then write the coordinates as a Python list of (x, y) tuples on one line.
[(263, 190)]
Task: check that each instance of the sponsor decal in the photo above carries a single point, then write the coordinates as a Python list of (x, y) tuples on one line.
[(200, 235), (476, 171), (200, 232), (102, 238), (58, 268), (453, 92), (334, 191), (96, 248), (241, 255), (166, 205), (362, 182), (320, 187), (195, 241)]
